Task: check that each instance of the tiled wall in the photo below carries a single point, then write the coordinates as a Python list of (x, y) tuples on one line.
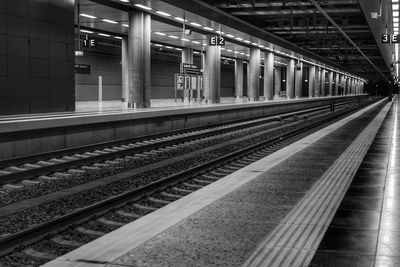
[(36, 56)]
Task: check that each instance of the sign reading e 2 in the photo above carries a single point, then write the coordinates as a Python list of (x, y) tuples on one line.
[(216, 41)]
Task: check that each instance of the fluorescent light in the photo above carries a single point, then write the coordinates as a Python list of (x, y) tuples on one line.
[(203, 44), (88, 16), (219, 32), (176, 48), (118, 37), (159, 45), (85, 31), (180, 19), (169, 47), (395, 7), (159, 33), (395, 13), (247, 41), (103, 34), (125, 1), (236, 52), (185, 40), (109, 21), (238, 38), (395, 19), (223, 48), (230, 35), (173, 36), (125, 25), (229, 50), (254, 44), (142, 6), (163, 13), (208, 28), (195, 42), (195, 24), (195, 52)]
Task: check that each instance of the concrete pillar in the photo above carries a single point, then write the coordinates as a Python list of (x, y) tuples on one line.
[(268, 75), (311, 81), (139, 59), (290, 79), (337, 81), (298, 80), (343, 84), (239, 78), (248, 77), (212, 75), (254, 74), (187, 55), (323, 82), (125, 69), (362, 87), (317, 82), (277, 81), (330, 83)]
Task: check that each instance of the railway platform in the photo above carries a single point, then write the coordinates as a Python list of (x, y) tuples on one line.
[(283, 210), (24, 135)]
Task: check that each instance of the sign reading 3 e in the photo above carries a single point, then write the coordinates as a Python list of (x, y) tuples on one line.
[(390, 38), (216, 41)]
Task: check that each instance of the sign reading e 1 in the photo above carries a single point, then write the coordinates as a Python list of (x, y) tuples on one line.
[(390, 38), (216, 41)]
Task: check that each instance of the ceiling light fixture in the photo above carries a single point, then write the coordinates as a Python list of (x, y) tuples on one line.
[(110, 21), (88, 16), (160, 33), (103, 34), (163, 13), (195, 24), (143, 7)]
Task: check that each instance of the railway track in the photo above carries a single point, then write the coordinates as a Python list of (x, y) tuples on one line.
[(27, 171), (115, 211)]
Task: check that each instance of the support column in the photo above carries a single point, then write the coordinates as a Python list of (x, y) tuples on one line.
[(323, 84), (344, 85), (337, 81), (125, 69), (311, 81), (277, 81), (268, 75), (330, 83), (212, 75), (187, 55), (139, 59), (239, 78), (254, 75), (290, 79), (298, 81), (317, 82)]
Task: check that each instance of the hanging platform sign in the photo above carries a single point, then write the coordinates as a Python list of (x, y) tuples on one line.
[(216, 41), (390, 38), (189, 68)]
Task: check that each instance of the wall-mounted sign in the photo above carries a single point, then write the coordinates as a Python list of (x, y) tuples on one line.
[(78, 53), (82, 69), (216, 41), (89, 43), (390, 38)]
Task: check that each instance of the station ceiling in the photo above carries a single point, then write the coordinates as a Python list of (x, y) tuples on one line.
[(292, 25)]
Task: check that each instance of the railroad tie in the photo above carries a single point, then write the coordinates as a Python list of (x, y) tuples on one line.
[(39, 255), (128, 214), (29, 182), (110, 222), (12, 187), (67, 243), (85, 231)]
